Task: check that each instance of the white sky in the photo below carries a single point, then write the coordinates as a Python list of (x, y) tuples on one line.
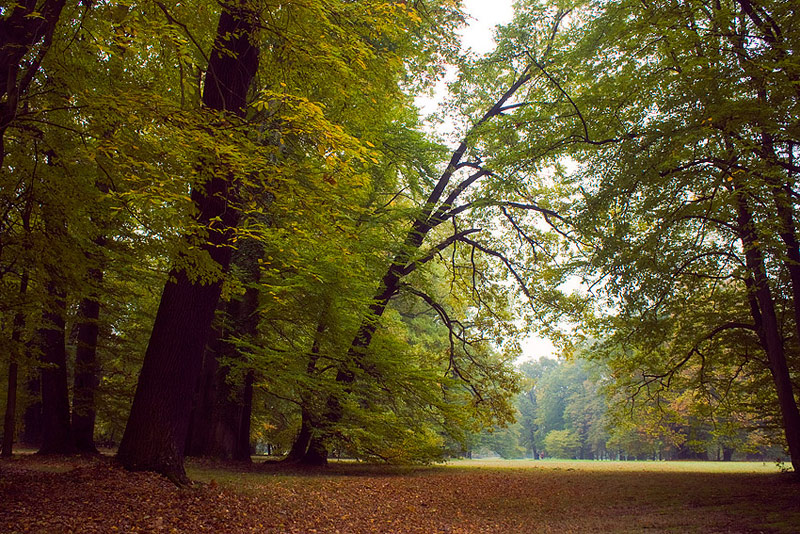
[(482, 17)]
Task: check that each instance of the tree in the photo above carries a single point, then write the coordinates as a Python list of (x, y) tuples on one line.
[(675, 118), (470, 194), (676, 206), (562, 443), (156, 431)]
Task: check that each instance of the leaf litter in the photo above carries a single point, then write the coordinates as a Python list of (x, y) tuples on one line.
[(75, 495)]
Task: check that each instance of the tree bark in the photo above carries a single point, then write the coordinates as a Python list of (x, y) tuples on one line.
[(770, 332), (243, 449), (155, 435), (300, 445), (198, 437), (220, 425), (56, 431), (87, 372), (220, 421), (215, 417), (317, 452), (10, 419)]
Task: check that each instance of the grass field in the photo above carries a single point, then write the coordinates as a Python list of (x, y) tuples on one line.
[(485, 496), (650, 466)]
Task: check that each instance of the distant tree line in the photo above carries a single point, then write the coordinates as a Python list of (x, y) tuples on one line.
[(570, 409)]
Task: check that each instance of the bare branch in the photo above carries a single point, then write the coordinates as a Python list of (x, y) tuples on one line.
[(410, 267), (586, 138), (509, 265)]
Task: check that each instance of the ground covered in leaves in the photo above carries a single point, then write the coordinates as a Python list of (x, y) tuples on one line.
[(51, 495)]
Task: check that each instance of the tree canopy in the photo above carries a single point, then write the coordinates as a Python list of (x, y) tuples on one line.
[(232, 215)]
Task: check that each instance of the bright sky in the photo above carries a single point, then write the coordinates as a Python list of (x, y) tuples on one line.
[(484, 15)]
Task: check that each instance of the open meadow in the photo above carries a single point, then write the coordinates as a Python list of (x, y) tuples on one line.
[(41, 495)]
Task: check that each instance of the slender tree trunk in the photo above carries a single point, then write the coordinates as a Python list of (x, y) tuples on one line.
[(309, 446), (155, 435), (87, 372), (782, 200), (32, 419), (435, 211), (10, 419), (772, 341), (56, 430), (243, 449)]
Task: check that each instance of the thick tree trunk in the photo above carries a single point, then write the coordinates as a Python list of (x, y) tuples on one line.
[(220, 425), (727, 454), (220, 422), (155, 435), (56, 431), (770, 332), (317, 452), (87, 373), (299, 448), (215, 416), (198, 437)]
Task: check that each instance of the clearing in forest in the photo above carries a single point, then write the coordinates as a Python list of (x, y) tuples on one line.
[(91, 496)]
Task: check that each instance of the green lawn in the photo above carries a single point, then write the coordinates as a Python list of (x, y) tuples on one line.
[(648, 466)]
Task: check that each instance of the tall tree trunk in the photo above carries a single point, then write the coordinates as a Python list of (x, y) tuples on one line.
[(155, 435), (10, 419), (220, 423), (56, 431), (87, 371), (437, 209), (770, 332), (201, 424)]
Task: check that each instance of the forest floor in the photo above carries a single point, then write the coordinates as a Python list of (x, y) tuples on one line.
[(78, 495)]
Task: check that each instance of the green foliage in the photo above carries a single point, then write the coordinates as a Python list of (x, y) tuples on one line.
[(562, 444)]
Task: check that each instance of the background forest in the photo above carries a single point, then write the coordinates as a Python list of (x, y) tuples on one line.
[(224, 226)]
